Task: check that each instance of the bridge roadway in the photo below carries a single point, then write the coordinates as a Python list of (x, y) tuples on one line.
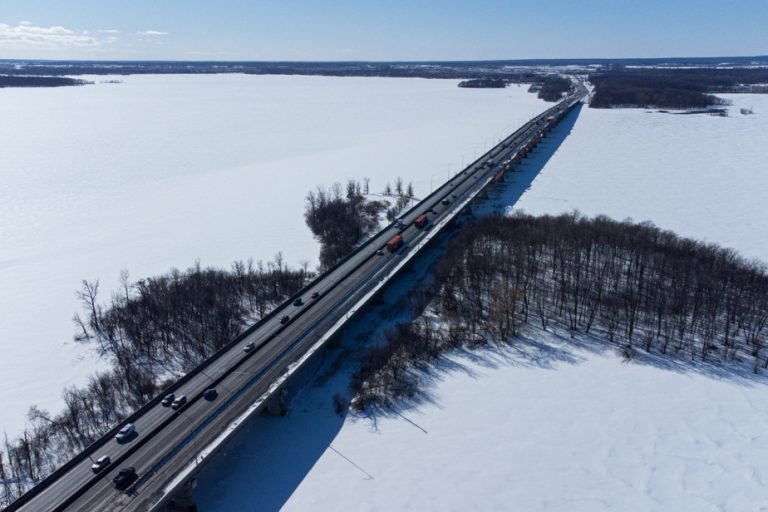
[(168, 441)]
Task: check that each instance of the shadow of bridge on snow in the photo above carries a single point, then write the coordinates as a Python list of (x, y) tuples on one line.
[(524, 173)]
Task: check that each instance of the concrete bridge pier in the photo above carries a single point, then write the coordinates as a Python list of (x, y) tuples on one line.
[(182, 499)]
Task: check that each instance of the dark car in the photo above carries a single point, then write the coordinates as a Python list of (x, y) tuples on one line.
[(298, 302), (126, 433), (315, 295), (210, 394), (124, 478), (445, 201), (285, 319), (167, 400), (249, 347)]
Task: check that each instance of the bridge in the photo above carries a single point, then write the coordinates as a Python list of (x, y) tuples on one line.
[(170, 445)]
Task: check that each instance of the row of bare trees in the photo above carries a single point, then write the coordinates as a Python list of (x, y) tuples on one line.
[(632, 284), (340, 219), (152, 331)]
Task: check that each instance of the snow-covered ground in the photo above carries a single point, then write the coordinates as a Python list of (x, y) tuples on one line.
[(546, 425), (159, 171), (702, 176), (551, 424)]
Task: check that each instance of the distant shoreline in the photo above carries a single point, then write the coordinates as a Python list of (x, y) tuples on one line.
[(7, 81)]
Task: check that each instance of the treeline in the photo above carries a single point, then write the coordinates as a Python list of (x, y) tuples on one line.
[(671, 88), (401, 193), (38, 81), (638, 91), (153, 331), (484, 83), (632, 284), (340, 220), (553, 88)]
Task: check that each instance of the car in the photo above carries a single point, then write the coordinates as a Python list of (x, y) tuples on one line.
[(298, 302), (249, 347), (285, 319), (380, 252), (167, 400), (125, 433), (314, 295), (445, 201), (124, 478), (100, 463), (210, 394), (179, 402)]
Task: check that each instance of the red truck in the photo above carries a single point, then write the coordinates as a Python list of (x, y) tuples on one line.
[(420, 221), (394, 243)]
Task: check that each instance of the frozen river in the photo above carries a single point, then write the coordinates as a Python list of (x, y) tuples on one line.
[(159, 171)]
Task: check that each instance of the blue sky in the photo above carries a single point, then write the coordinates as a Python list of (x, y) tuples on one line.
[(380, 30)]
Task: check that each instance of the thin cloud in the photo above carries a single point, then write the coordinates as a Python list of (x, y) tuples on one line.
[(108, 31), (152, 33), (26, 34)]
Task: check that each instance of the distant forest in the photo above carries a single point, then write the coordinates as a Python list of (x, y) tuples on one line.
[(547, 87), (673, 88), (38, 81), (424, 69)]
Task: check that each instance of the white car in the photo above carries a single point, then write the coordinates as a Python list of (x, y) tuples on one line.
[(125, 433), (100, 463)]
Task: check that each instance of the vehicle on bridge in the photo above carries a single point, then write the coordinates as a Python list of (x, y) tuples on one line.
[(421, 221), (394, 243), (125, 433), (100, 463), (124, 478), (179, 402)]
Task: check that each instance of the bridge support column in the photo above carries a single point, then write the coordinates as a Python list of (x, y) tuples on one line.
[(277, 404), (183, 500)]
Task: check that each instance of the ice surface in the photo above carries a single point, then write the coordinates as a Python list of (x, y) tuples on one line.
[(159, 171), (699, 175)]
